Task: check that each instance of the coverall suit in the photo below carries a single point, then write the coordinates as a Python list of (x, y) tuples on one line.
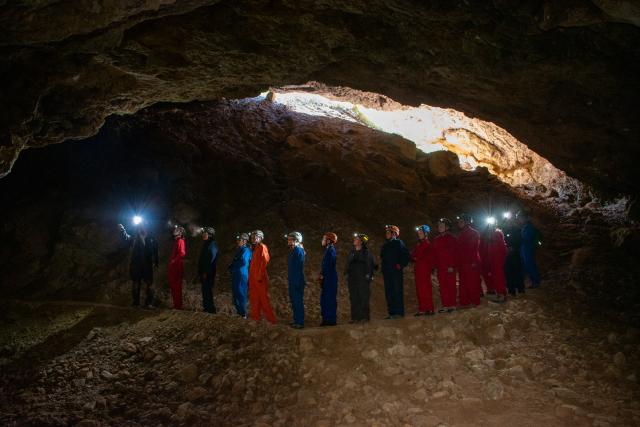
[(422, 256), (176, 272), (259, 284), (444, 248)]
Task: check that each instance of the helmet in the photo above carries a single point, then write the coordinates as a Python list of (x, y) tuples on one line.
[(242, 236), (258, 233), (209, 230), (178, 229), (466, 218), (363, 237), (424, 227), (295, 235), (445, 221), (331, 236), (393, 229)]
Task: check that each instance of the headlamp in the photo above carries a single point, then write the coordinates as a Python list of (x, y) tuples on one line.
[(506, 215), (137, 220), (491, 220)]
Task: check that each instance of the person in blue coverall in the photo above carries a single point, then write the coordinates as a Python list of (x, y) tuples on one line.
[(240, 274), (531, 239), (296, 278), (394, 257), (329, 281)]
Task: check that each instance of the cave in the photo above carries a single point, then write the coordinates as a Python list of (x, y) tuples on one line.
[(316, 117)]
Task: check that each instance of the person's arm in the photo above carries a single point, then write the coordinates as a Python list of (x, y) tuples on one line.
[(372, 265), (213, 250), (182, 252), (124, 235), (264, 258)]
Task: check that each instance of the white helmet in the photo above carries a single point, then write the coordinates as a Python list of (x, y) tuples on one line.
[(258, 233), (295, 236)]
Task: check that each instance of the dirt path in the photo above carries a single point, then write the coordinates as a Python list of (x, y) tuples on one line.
[(531, 362)]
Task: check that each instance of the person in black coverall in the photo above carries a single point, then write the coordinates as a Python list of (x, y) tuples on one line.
[(394, 257)]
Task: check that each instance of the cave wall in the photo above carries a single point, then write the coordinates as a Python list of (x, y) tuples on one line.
[(236, 165), (559, 77)]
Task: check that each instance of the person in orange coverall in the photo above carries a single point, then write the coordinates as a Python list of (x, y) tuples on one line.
[(259, 280), (176, 267), (468, 262)]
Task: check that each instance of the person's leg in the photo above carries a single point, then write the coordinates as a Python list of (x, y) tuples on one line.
[(476, 288), (518, 275), (324, 306), (447, 283), (149, 294), (353, 300), (332, 303), (365, 292), (532, 268), (464, 286), (429, 294), (254, 302), (421, 292), (509, 274), (294, 299), (388, 291), (242, 291), (265, 304), (207, 294), (135, 292), (328, 302), (399, 294)]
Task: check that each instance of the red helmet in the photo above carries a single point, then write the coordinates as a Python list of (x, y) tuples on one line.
[(392, 228), (331, 236)]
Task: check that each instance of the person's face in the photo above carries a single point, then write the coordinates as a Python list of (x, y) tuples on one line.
[(241, 242), (357, 242), (290, 242), (205, 236), (324, 240), (388, 234), (255, 239), (461, 223), (441, 227), (421, 234)]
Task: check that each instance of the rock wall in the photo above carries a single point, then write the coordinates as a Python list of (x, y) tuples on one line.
[(560, 77)]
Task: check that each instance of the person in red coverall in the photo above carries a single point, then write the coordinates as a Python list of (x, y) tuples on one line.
[(259, 280), (494, 257), (468, 257), (176, 267), (422, 256), (444, 254), (485, 264)]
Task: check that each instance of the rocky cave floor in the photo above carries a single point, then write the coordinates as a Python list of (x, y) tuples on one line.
[(535, 360)]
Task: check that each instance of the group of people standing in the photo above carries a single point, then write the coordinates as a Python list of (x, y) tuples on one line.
[(500, 257)]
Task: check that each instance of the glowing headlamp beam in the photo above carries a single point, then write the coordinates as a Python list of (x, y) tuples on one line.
[(137, 220)]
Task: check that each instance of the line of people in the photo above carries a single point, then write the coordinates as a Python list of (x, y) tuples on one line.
[(460, 262)]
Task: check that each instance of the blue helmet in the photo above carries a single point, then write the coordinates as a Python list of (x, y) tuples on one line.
[(425, 228)]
